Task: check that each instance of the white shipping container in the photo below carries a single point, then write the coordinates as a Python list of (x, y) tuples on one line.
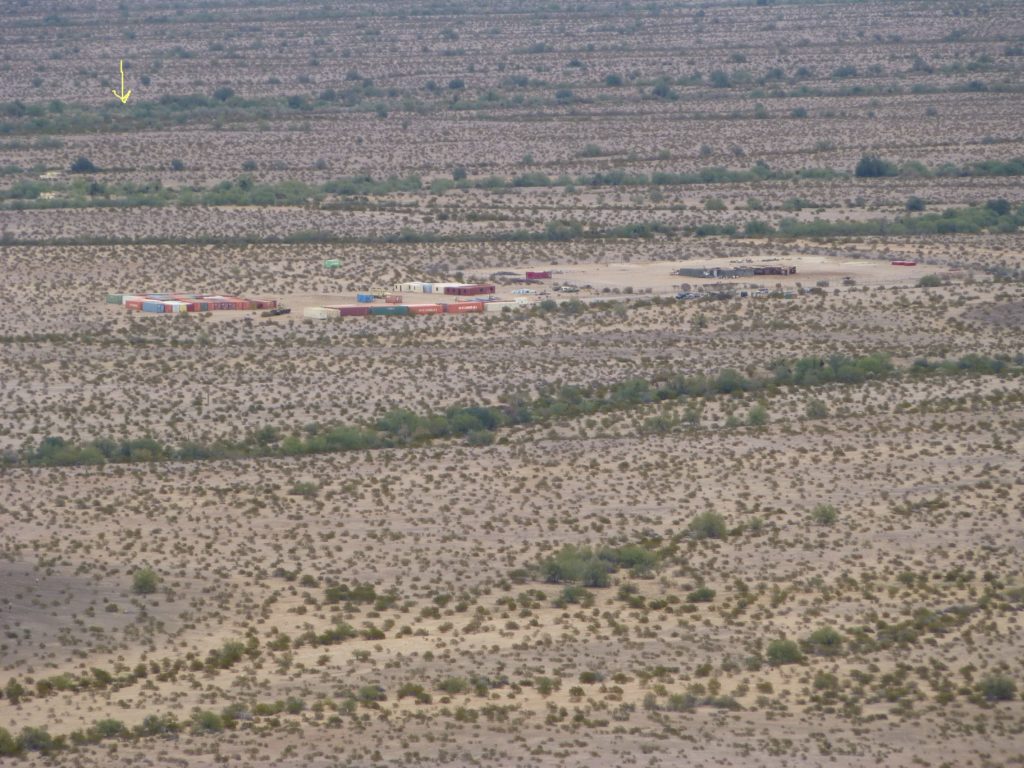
[(497, 306), (317, 313)]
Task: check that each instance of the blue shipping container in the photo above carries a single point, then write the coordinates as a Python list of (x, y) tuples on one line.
[(152, 306), (364, 297), (428, 287)]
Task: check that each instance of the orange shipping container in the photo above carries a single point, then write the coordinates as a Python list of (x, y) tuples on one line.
[(466, 306), (425, 309)]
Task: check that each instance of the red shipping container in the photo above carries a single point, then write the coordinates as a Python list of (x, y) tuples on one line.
[(352, 311), (426, 309), (902, 263), (465, 306), (538, 275), (133, 304), (393, 298)]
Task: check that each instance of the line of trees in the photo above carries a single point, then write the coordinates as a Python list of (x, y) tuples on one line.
[(244, 190), (478, 425)]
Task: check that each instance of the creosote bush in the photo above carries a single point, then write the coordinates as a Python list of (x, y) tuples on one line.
[(824, 514), (998, 688), (781, 652), (708, 525), (591, 568), (145, 581)]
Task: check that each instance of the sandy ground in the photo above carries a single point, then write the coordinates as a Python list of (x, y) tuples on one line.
[(464, 653)]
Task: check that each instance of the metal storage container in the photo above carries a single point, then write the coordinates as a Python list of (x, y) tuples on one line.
[(352, 311), (426, 309), (364, 298), (390, 309), (464, 306), (152, 306), (114, 298)]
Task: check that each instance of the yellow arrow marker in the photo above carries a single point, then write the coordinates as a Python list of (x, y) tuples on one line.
[(123, 95)]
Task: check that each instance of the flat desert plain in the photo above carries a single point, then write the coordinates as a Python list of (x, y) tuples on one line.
[(777, 521)]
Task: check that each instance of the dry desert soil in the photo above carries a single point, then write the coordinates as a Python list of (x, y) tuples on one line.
[(777, 521)]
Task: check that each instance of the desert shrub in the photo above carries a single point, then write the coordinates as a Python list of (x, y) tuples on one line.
[(757, 416), (576, 564), (83, 164), (708, 525), (205, 721), (915, 204), (714, 204), (720, 79), (154, 725), (145, 581), (479, 437), (226, 656), (109, 729), (342, 593), (14, 691), (781, 652), (1000, 206), (575, 595), (824, 514), (826, 641), (663, 90), (998, 688), (308, 489), (701, 595), (371, 693), (929, 281), (680, 702), (9, 746), (416, 691), (35, 740), (545, 685), (873, 166), (613, 80), (638, 559), (816, 409)]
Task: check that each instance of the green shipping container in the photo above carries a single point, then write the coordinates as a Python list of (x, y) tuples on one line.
[(332, 263), (114, 298), (390, 309)]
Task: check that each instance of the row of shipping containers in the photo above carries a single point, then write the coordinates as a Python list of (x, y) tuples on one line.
[(448, 289), (175, 303), (459, 308)]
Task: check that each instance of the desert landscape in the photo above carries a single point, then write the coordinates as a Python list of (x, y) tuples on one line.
[(623, 512)]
